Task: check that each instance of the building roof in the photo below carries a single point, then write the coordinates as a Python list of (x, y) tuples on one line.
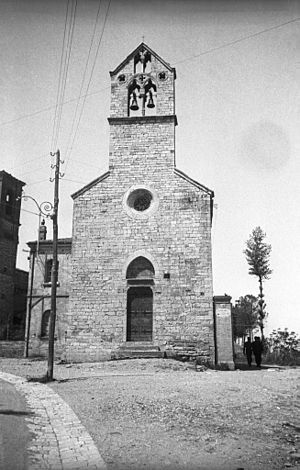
[(177, 172), (90, 185), (143, 46), (48, 243), (194, 182), (4, 173)]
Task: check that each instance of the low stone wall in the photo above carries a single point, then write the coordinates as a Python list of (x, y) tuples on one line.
[(189, 350), (12, 348)]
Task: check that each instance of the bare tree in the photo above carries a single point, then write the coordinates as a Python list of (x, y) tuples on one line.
[(258, 257)]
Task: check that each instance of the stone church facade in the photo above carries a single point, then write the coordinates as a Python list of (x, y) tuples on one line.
[(141, 242)]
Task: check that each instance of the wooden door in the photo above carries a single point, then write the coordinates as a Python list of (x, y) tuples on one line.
[(139, 314)]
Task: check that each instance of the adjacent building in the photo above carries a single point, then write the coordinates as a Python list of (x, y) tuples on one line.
[(13, 281), (39, 294)]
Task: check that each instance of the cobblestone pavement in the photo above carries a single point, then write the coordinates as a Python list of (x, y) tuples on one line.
[(59, 440)]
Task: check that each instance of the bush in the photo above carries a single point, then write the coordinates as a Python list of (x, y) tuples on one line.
[(282, 347)]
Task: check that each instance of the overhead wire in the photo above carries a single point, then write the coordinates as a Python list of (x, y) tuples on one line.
[(70, 41), (83, 79), (49, 108), (32, 170), (88, 85), (37, 182), (65, 62), (28, 161), (209, 51), (236, 41), (60, 75)]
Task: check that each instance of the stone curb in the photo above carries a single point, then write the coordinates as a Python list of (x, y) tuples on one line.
[(59, 441)]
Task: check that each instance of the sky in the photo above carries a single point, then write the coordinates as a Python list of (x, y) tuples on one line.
[(237, 104)]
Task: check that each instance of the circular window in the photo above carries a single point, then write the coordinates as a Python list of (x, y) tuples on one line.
[(140, 202)]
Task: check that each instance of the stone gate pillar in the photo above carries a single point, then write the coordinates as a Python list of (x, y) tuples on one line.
[(223, 331)]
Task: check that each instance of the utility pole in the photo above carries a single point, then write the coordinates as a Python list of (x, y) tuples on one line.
[(29, 308), (54, 266)]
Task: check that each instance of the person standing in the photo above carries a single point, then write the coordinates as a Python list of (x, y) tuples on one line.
[(257, 349), (247, 350)]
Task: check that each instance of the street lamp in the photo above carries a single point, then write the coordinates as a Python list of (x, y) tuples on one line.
[(45, 208)]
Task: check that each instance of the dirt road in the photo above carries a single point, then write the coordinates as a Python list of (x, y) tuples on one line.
[(160, 414)]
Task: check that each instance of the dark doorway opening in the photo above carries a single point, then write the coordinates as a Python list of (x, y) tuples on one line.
[(139, 314)]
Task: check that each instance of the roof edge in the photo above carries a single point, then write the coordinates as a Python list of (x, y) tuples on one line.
[(90, 185), (124, 62), (151, 119), (194, 182), (5, 173), (46, 244), (62, 241)]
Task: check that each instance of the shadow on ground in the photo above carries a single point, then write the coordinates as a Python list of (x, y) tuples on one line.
[(244, 367), (15, 413)]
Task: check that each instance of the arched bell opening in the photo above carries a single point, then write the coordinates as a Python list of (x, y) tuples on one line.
[(142, 96), (140, 277), (142, 62)]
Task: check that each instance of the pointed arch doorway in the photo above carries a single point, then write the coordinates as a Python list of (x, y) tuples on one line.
[(140, 275)]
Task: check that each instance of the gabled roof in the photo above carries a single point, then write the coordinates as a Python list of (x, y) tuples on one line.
[(143, 46), (64, 246), (90, 185), (4, 174), (60, 242), (194, 182)]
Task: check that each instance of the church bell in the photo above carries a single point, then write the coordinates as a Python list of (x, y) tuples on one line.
[(134, 105), (150, 101)]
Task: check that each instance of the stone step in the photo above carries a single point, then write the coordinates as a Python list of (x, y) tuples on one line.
[(137, 354), (137, 350), (139, 346)]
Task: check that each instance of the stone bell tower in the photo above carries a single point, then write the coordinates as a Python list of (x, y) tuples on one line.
[(142, 114), (10, 206)]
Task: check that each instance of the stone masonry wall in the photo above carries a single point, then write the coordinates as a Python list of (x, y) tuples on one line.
[(165, 90), (41, 301), (10, 204), (175, 238), (223, 331), (7, 269)]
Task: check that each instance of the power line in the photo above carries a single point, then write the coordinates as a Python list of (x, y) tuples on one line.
[(74, 181), (70, 41), (81, 163), (89, 82), (65, 61), (236, 41), (31, 171), (24, 210), (49, 108), (28, 161), (60, 73), (83, 78), (29, 212), (37, 182)]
